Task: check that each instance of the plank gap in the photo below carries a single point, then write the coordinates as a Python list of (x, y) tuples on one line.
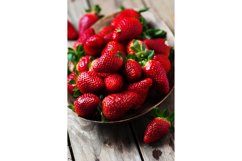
[(70, 148), (136, 142)]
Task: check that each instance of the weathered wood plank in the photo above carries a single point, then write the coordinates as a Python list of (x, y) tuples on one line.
[(91, 141), (108, 7), (76, 8), (163, 9), (162, 150)]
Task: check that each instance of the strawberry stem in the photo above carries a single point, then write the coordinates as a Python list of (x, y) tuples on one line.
[(121, 8)]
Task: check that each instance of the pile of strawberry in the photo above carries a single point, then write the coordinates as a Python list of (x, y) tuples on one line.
[(112, 72)]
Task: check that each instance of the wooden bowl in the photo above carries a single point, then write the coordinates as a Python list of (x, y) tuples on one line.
[(153, 102)]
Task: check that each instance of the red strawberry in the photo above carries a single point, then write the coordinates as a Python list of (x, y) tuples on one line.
[(107, 63), (127, 28), (156, 129), (132, 70), (104, 31), (72, 33), (84, 36), (141, 88), (71, 79), (93, 45), (114, 106), (164, 60), (113, 47), (158, 45), (126, 13), (132, 48), (89, 82), (113, 83), (86, 104), (89, 19), (82, 65), (154, 70)]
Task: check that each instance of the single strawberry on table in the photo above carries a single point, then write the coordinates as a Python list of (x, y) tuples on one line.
[(113, 83), (89, 82), (132, 70), (86, 104), (84, 36), (164, 60), (126, 29), (93, 45), (72, 34), (158, 45), (158, 127), (114, 106), (89, 18)]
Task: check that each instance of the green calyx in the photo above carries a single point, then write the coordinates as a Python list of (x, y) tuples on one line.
[(75, 55), (149, 32), (121, 8), (96, 9), (99, 108), (163, 114), (142, 55), (71, 107), (77, 92)]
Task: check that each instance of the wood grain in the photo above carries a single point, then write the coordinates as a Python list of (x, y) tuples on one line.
[(163, 9), (91, 141)]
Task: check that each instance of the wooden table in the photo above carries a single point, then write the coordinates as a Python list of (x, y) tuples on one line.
[(119, 142)]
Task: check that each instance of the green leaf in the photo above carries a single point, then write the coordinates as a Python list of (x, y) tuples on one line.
[(136, 45), (72, 81), (75, 89), (143, 9), (77, 93), (122, 8), (150, 54), (155, 33), (71, 107), (134, 49), (131, 56)]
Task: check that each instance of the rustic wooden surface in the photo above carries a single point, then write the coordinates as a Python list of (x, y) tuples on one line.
[(119, 142)]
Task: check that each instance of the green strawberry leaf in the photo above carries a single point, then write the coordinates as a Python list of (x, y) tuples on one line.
[(171, 117), (75, 89), (76, 93), (101, 97), (150, 54), (72, 81), (136, 45), (143, 9), (155, 33), (121, 8), (71, 107), (131, 56)]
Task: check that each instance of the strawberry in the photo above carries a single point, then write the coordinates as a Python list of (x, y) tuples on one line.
[(156, 129), (127, 28), (126, 13), (71, 82), (154, 70), (82, 65), (113, 47), (93, 45), (86, 104), (133, 48), (89, 18), (107, 63), (104, 31), (113, 83), (158, 45), (164, 60), (72, 33), (89, 82), (141, 88), (132, 70), (108, 37), (114, 106), (84, 36)]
